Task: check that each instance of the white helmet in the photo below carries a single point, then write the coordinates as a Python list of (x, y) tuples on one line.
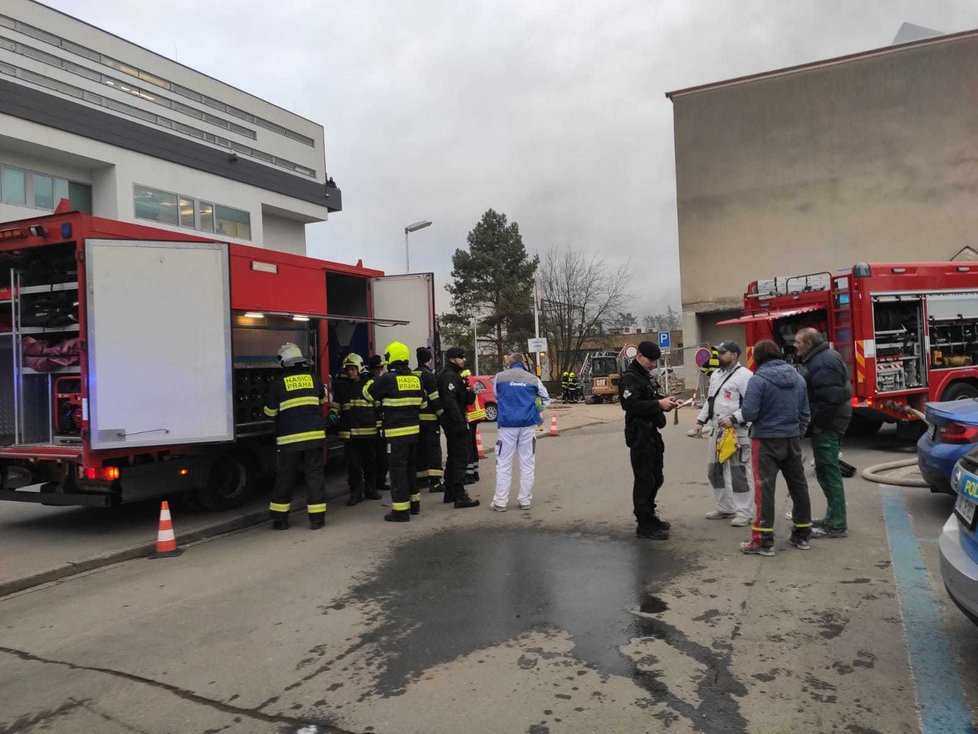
[(290, 355)]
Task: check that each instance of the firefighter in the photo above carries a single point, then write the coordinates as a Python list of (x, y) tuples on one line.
[(402, 399), (474, 415), (293, 400), (375, 368), (356, 420), (565, 386), (429, 470), (455, 399)]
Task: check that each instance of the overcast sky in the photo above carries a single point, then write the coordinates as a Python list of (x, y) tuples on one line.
[(551, 112)]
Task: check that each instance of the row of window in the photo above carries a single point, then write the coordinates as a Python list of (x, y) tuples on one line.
[(151, 117), (91, 55), (120, 84), (40, 191), (185, 211)]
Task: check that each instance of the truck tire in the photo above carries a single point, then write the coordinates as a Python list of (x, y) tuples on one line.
[(230, 482), (960, 391)]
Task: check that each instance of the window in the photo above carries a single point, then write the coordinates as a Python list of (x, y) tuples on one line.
[(232, 222), (157, 206), (185, 211), (81, 197), (206, 216), (43, 192), (14, 186)]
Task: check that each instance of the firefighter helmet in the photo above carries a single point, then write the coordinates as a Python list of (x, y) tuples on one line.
[(397, 352), (353, 360), (290, 355), (712, 364)]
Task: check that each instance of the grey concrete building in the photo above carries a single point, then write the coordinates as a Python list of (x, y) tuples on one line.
[(867, 157)]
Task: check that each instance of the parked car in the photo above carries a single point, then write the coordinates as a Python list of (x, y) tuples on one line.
[(958, 544), (485, 388), (952, 431)]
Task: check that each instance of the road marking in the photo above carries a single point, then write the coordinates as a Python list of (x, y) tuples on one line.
[(941, 703)]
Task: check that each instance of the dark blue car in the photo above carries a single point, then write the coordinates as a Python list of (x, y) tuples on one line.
[(952, 432)]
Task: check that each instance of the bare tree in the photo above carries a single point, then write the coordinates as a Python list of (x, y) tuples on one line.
[(578, 292)]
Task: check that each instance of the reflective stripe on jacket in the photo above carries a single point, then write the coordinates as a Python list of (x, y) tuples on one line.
[(357, 415), (294, 400), (429, 383)]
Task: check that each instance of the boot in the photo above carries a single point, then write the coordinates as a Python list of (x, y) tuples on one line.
[(280, 523), (659, 522), (317, 521), (450, 493), (398, 516), (463, 500), (416, 507), (356, 498), (652, 532), (440, 487), (372, 494)]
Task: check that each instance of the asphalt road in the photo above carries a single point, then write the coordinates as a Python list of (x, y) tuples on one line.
[(552, 620)]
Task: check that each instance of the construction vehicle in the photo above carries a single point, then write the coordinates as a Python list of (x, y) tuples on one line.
[(134, 361), (600, 374), (907, 331)]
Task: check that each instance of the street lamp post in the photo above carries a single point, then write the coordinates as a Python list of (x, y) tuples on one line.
[(407, 230), (475, 343)]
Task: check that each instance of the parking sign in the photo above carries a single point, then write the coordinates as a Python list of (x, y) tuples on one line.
[(665, 341)]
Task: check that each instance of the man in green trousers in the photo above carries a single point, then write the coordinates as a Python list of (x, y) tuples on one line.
[(830, 396)]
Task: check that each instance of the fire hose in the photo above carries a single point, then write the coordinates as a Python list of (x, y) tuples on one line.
[(875, 473)]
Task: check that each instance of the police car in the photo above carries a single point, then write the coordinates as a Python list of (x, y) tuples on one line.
[(958, 542)]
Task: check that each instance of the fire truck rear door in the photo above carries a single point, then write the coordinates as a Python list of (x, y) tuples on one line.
[(408, 298), (159, 343)]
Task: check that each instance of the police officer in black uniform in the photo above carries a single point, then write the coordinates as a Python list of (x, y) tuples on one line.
[(429, 470), (645, 410), (402, 398), (455, 396), (294, 400)]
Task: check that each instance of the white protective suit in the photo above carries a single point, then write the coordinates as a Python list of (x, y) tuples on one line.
[(732, 481)]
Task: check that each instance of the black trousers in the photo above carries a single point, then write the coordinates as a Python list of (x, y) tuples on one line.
[(429, 453), (404, 484), (380, 463), (646, 454), (771, 455), (457, 441), (286, 465), (472, 468), (360, 464)]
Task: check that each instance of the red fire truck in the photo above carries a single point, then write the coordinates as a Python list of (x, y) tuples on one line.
[(908, 331), (134, 361)]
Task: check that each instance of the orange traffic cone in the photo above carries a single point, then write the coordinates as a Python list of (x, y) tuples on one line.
[(478, 444), (166, 541), (553, 426)]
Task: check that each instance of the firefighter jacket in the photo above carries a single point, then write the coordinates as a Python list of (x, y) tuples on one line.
[(401, 399), (294, 400), (455, 399), (639, 396), (429, 383), (724, 397), (358, 419), (475, 412)]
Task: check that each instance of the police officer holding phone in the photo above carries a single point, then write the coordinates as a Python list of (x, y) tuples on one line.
[(645, 408)]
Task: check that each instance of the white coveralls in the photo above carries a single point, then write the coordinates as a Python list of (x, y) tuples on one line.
[(519, 398), (735, 493)]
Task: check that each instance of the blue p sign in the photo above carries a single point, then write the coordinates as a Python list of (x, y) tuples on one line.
[(665, 340)]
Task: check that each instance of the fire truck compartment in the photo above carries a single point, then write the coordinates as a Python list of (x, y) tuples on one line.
[(898, 324)]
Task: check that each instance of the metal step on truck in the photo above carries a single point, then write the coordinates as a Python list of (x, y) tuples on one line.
[(134, 360)]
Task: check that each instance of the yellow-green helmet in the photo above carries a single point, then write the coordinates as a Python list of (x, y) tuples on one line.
[(397, 352)]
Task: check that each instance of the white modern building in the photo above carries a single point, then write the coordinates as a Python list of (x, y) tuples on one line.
[(128, 134)]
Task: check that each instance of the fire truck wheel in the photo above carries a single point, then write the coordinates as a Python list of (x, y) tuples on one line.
[(230, 482), (861, 426), (960, 391)]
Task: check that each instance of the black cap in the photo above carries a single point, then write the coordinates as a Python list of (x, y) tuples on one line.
[(454, 353), (375, 361), (424, 355), (729, 346), (650, 350)]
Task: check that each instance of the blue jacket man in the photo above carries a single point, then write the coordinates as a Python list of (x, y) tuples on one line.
[(520, 396), (776, 404)]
